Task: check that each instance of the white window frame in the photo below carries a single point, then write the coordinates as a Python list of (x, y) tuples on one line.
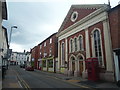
[(41, 46), (44, 44), (62, 61), (82, 47), (70, 49), (93, 47), (75, 44), (50, 40)]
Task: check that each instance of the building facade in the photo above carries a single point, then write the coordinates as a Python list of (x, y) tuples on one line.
[(3, 16), (5, 46), (34, 56), (48, 54), (21, 58), (18, 58), (114, 20), (85, 33)]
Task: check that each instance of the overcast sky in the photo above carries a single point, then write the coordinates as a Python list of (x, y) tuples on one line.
[(38, 19)]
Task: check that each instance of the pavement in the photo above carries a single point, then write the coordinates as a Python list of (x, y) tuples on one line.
[(82, 82), (11, 80)]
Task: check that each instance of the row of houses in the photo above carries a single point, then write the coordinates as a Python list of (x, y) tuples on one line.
[(19, 58), (88, 31)]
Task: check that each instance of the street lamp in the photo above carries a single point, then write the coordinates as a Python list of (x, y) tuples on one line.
[(10, 50), (11, 34)]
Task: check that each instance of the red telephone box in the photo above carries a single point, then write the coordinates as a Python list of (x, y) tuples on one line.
[(92, 69)]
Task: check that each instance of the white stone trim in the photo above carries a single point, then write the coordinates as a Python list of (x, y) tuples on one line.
[(68, 32), (80, 55), (74, 44), (66, 50), (59, 59), (93, 49), (87, 44), (108, 48), (117, 71), (70, 45), (74, 19), (62, 63), (70, 62), (79, 43)]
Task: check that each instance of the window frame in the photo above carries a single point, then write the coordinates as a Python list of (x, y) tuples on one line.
[(100, 61)]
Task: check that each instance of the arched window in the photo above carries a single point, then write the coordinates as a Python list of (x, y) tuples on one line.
[(71, 45), (75, 41), (63, 53), (97, 45), (80, 42)]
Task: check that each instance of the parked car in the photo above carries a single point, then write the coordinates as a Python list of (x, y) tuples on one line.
[(22, 65), (29, 68)]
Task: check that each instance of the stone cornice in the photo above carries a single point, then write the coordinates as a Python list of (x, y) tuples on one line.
[(85, 19)]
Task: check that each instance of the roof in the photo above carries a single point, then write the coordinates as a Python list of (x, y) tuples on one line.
[(114, 8), (48, 38), (81, 6)]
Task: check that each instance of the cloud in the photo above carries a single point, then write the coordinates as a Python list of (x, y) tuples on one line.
[(38, 20)]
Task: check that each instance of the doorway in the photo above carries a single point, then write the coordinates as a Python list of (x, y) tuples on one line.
[(80, 58), (73, 65)]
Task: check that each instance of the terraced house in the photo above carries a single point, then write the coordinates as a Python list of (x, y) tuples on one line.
[(48, 52), (85, 33)]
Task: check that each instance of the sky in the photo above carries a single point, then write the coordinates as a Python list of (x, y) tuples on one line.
[(38, 19)]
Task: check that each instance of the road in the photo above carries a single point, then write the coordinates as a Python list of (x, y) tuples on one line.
[(34, 79)]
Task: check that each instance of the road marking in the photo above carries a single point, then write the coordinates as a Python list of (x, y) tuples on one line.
[(20, 84), (23, 82)]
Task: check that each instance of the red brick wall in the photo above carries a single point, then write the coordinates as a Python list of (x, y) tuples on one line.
[(90, 29), (114, 20), (81, 14), (35, 55), (53, 46), (73, 36)]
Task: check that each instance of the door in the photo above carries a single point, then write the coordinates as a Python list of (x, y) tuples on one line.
[(73, 67), (81, 67)]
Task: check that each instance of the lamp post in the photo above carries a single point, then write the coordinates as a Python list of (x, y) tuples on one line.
[(9, 53), (11, 34)]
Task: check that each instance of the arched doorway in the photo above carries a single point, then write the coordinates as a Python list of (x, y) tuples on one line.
[(81, 59), (73, 65)]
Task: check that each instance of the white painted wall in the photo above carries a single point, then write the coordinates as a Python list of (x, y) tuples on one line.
[(117, 71), (0, 32)]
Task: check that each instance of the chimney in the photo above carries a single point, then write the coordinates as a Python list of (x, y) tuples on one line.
[(24, 51)]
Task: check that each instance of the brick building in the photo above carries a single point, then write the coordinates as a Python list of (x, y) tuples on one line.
[(34, 56), (48, 54), (114, 21), (85, 33)]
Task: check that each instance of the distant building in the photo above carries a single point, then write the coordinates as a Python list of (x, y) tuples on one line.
[(18, 58), (28, 58), (21, 58), (13, 59), (34, 56)]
